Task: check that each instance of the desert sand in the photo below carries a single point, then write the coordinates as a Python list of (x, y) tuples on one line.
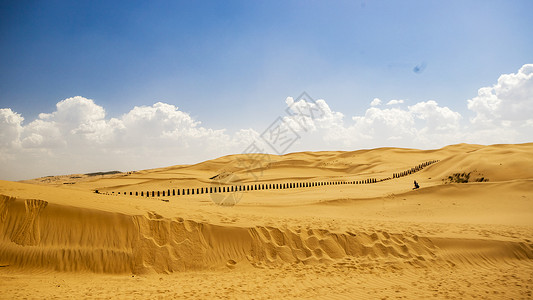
[(337, 225)]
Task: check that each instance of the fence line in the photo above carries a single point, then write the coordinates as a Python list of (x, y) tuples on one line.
[(269, 186)]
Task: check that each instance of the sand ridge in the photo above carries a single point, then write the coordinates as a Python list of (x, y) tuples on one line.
[(341, 231)]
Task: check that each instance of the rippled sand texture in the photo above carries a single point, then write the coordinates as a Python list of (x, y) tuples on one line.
[(346, 239)]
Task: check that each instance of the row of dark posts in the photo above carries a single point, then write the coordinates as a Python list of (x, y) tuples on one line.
[(414, 170), (243, 188), (266, 186)]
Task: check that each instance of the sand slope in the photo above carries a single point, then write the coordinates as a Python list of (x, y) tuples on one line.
[(64, 238), (332, 231)]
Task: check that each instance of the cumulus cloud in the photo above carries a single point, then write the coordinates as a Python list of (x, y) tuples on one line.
[(504, 114), (505, 107), (308, 115), (394, 102), (77, 120), (384, 123), (10, 128), (424, 124), (79, 137), (510, 99), (420, 125), (437, 118), (375, 102), (80, 122)]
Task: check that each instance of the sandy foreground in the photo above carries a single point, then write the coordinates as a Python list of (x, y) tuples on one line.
[(327, 234)]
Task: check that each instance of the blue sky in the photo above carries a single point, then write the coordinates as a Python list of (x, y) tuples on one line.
[(232, 64), (244, 57)]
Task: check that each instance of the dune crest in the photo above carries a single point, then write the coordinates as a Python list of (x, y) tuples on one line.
[(69, 239), (345, 221)]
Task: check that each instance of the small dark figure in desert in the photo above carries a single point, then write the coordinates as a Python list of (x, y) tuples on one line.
[(416, 185)]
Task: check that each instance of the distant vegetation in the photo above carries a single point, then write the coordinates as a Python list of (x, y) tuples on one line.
[(463, 178), (103, 173)]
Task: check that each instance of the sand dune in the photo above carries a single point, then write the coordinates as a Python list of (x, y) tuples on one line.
[(74, 239), (346, 239)]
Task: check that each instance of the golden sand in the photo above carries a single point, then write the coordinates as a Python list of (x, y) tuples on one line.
[(327, 236)]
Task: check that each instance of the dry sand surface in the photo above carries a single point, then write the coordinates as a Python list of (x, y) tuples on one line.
[(325, 235)]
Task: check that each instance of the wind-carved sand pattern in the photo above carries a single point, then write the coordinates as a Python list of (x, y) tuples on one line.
[(5, 201), (314, 225), (152, 242), (168, 245), (28, 232), (318, 246), (164, 245)]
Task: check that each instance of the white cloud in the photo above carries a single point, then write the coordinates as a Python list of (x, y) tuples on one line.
[(437, 118), (76, 121), (394, 102), (10, 128), (375, 102), (424, 124), (166, 125), (510, 99), (504, 111), (43, 134), (76, 110), (78, 136), (384, 124)]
